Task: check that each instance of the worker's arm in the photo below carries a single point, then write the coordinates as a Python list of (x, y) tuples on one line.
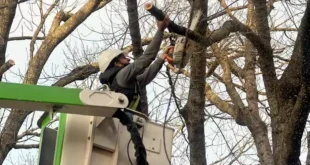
[(150, 73), (130, 72)]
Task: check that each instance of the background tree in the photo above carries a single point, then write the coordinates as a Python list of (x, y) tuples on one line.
[(62, 25)]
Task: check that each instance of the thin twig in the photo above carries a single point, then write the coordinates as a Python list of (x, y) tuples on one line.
[(24, 38), (43, 18), (26, 146)]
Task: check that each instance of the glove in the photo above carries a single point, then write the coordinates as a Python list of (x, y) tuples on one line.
[(168, 54)]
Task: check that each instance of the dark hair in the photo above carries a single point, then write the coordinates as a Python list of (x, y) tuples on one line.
[(116, 59)]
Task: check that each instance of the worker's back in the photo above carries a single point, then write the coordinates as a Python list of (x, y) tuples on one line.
[(132, 91)]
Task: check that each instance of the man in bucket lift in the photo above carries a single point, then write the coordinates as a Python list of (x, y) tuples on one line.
[(128, 78)]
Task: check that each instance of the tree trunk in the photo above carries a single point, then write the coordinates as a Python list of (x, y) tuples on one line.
[(308, 155), (10, 130), (259, 132), (256, 126), (289, 123), (7, 15), (193, 113)]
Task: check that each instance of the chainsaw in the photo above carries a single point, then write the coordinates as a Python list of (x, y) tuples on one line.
[(180, 58)]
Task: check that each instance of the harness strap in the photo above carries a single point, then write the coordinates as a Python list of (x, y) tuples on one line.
[(136, 99), (132, 94), (134, 104)]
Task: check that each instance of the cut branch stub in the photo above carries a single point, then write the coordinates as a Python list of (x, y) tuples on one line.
[(6, 66)]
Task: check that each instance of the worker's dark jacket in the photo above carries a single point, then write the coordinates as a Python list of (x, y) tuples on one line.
[(139, 72)]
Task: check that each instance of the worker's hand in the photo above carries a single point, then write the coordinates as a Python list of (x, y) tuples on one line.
[(169, 51), (167, 54), (162, 25)]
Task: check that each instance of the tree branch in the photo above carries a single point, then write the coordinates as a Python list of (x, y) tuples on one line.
[(56, 21), (249, 67), (270, 5), (132, 9), (77, 18), (26, 146), (223, 32), (79, 73), (216, 15), (103, 3), (282, 29), (146, 41), (223, 105), (24, 38), (241, 149), (42, 21), (235, 69), (255, 124), (56, 34), (228, 11), (234, 84), (291, 79), (6, 66), (231, 90), (12, 4), (6, 16), (265, 51), (211, 67), (28, 132)]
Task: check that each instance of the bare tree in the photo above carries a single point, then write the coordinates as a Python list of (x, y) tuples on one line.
[(63, 24), (193, 112), (7, 13), (287, 96)]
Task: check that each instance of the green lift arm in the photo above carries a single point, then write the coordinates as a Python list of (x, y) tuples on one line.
[(59, 99)]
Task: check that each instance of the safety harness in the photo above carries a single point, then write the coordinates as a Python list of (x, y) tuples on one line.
[(132, 93)]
